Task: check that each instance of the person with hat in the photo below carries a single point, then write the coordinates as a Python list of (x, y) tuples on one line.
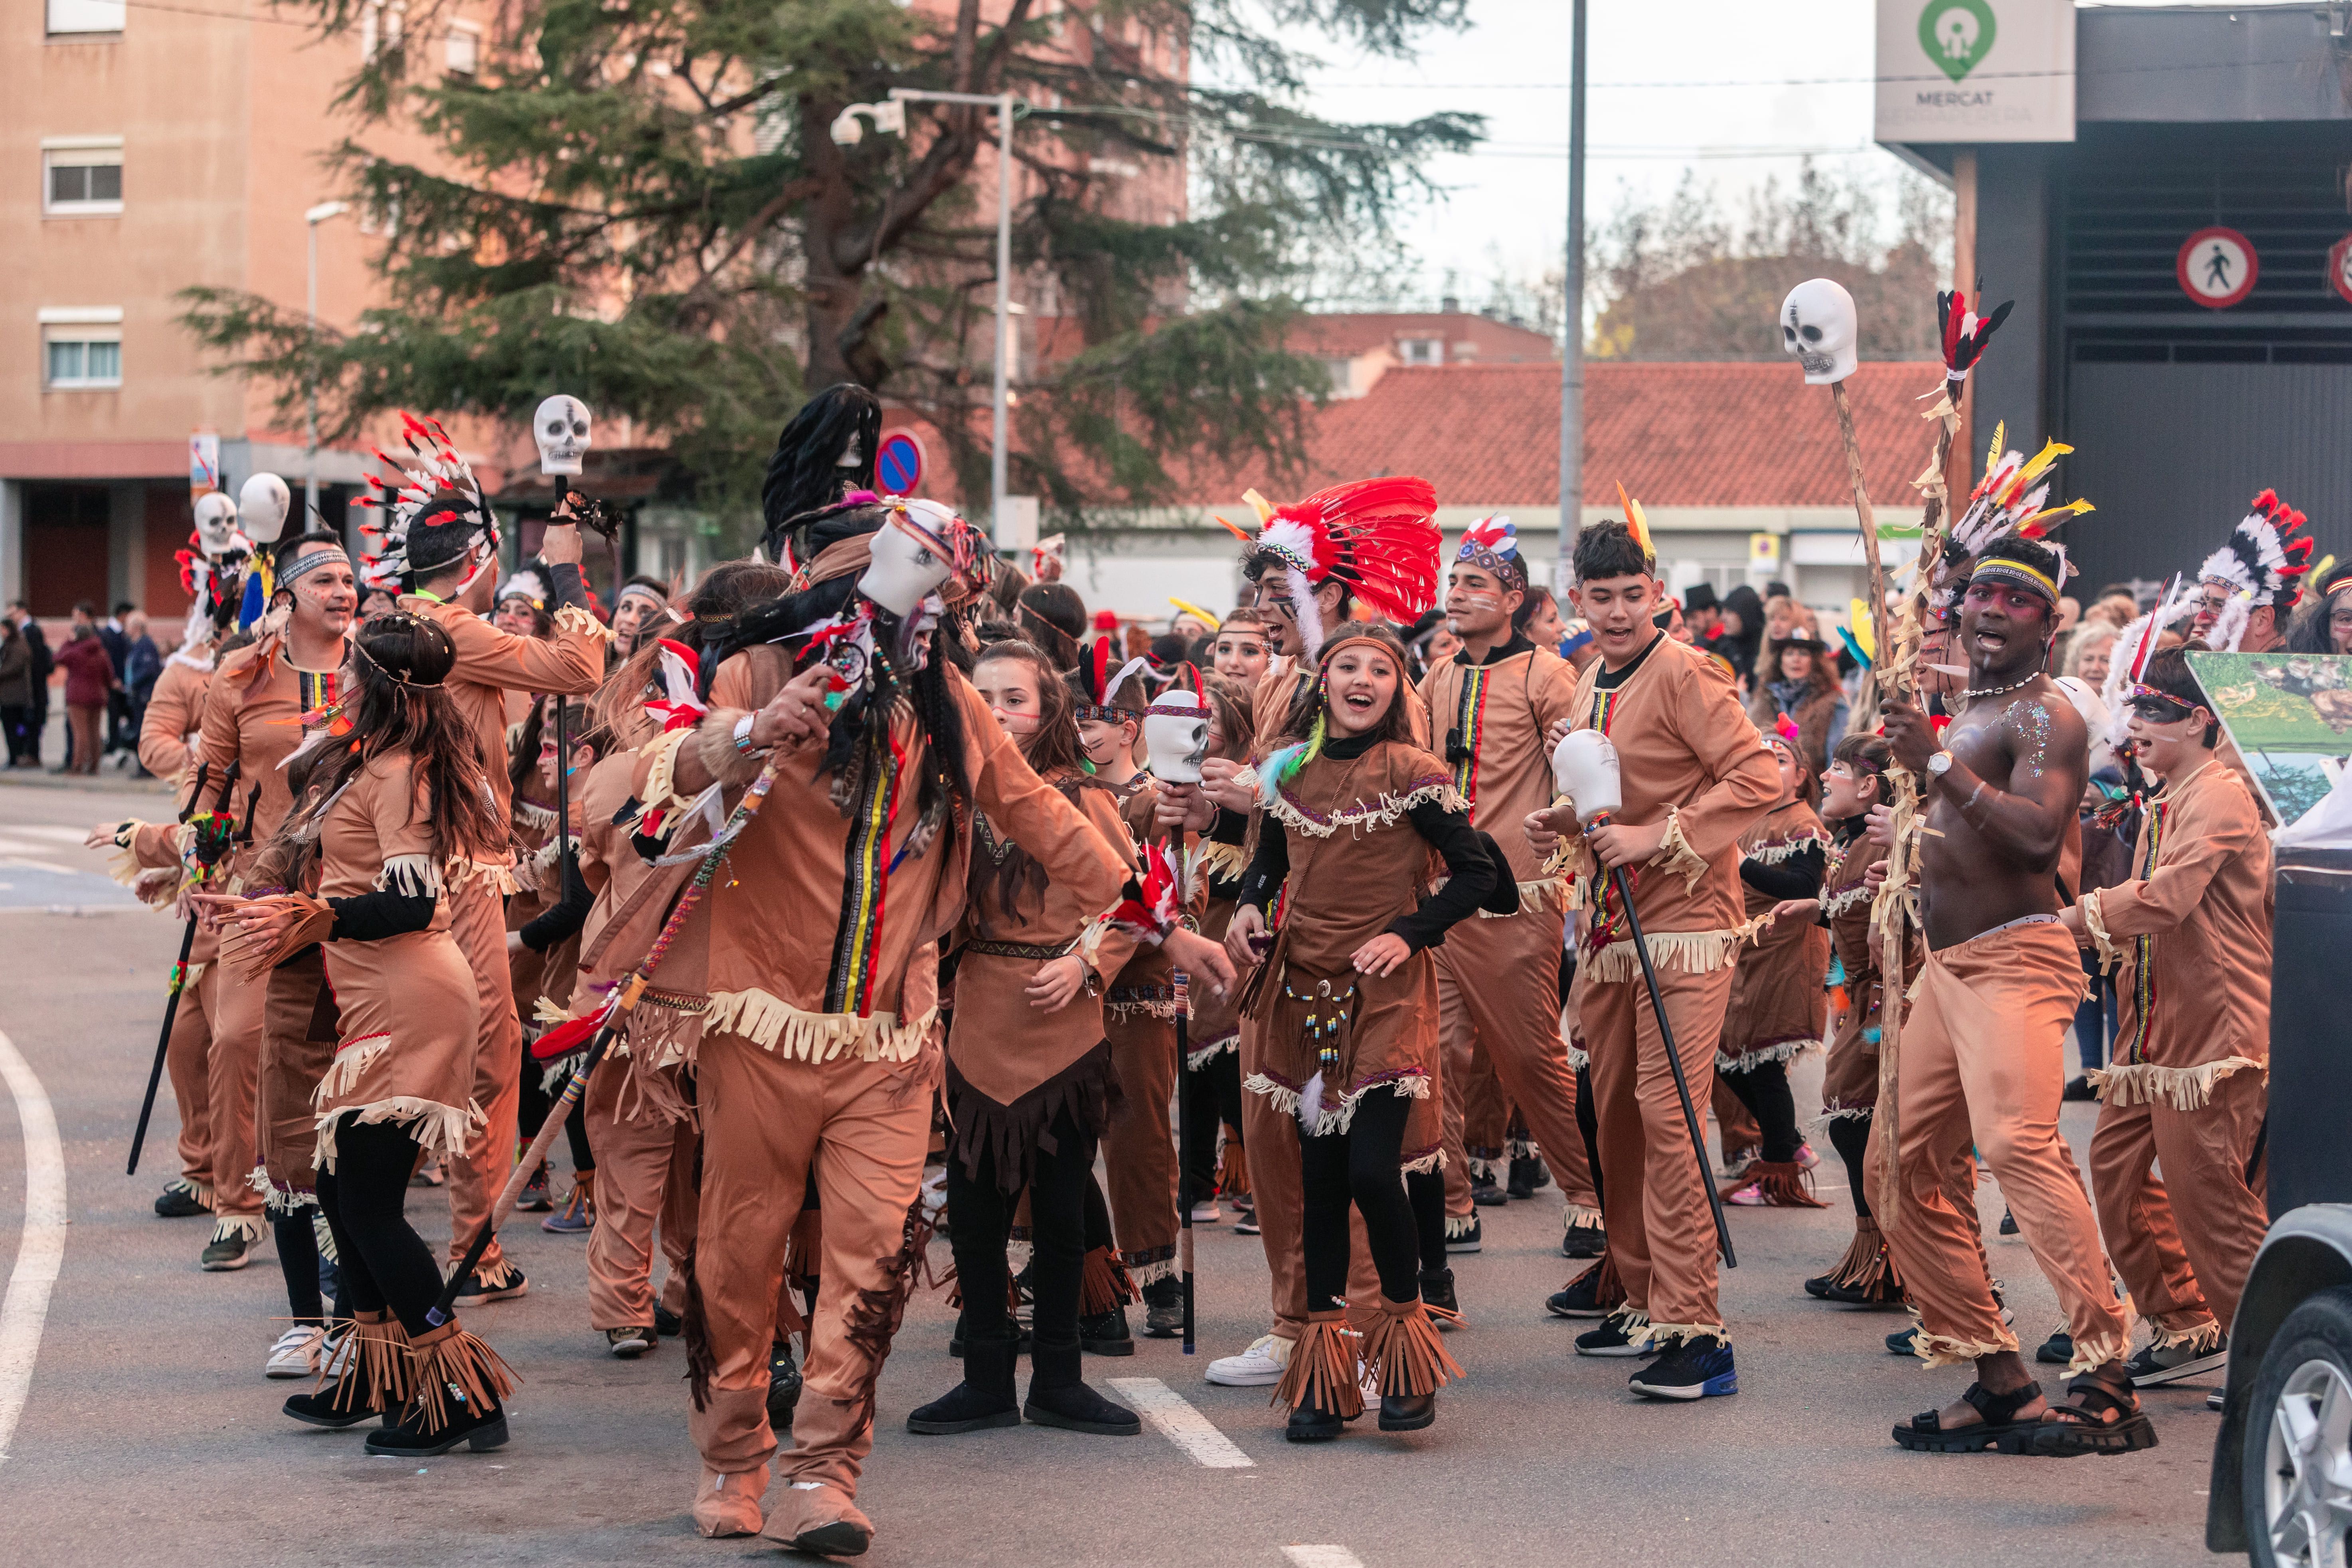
[(2247, 587), (1796, 680), (1492, 701)]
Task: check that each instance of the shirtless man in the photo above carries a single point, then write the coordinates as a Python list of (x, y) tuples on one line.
[(1979, 1057)]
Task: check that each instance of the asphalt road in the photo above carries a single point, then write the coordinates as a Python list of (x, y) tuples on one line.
[(150, 1435)]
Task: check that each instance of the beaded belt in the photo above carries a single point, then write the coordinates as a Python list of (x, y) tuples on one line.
[(1034, 950)]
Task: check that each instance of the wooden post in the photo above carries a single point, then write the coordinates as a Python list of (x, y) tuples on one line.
[(1964, 278)]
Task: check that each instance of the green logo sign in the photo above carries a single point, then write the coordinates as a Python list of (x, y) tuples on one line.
[(1956, 34)]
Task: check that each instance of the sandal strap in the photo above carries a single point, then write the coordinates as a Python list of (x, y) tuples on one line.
[(2001, 1409), (2091, 1400)]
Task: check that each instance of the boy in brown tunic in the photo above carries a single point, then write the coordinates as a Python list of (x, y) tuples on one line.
[(2185, 1086), (1695, 775), (1492, 702)]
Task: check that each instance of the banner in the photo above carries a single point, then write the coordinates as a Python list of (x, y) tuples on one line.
[(1976, 71)]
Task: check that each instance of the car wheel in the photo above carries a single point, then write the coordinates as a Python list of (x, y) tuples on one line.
[(2298, 1453)]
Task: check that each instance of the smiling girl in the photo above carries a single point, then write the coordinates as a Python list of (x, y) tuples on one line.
[(1348, 998)]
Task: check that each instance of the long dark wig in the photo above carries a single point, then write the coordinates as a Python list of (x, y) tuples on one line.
[(801, 475), (396, 703)]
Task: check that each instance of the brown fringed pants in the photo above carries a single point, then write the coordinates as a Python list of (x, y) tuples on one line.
[(1660, 1229), (233, 1077), (645, 1172), (2183, 1244), (1980, 1061), (769, 1121), (185, 1059), (1138, 1150), (477, 923)]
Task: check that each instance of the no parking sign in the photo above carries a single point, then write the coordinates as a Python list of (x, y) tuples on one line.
[(898, 463)]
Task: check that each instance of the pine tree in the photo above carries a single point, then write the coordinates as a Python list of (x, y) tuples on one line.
[(639, 202)]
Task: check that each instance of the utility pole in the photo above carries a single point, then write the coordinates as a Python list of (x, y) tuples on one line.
[(311, 220), (1571, 357)]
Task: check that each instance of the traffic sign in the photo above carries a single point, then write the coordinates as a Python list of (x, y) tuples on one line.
[(2217, 266), (2339, 266), (898, 463)]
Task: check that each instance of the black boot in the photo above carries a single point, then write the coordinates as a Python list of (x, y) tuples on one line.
[(1059, 1397), (1105, 1333), (481, 1425), (1021, 1336), (341, 1402), (1407, 1412), (784, 1385), (983, 1399), (1527, 1175), (1438, 1294)]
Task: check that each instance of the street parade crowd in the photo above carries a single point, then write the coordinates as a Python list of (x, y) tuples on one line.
[(873, 887)]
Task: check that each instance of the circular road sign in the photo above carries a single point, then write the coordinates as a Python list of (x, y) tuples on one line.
[(2339, 266), (898, 463), (2217, 266)]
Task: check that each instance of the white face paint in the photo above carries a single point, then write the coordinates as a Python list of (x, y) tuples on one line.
[(1176, 734), (1584, 766), (262, 501), (1818, 325), (560, 428), (853, 454), (905, 569), (215, 523)]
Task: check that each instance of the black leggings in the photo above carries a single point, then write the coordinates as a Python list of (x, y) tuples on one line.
[(1425, 1190), (1764, 1090), (1850, 1136), (1360, 1166), (536, 1104), (297, 1259), (1066, 1208), (1212, 1095), (384, 1264), (1588, 1121)]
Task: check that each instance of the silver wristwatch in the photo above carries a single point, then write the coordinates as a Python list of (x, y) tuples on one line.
[(1939, 765)]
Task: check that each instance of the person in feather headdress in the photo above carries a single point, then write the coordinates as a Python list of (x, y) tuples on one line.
[(2249, 587)]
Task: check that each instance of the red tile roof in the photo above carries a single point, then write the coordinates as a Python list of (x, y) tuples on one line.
[(1497, 342), (1748, 435)]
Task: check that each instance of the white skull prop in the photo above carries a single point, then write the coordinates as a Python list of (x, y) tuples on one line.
[(560, 428), (1584, 766), (1176, 734), (910, 556), (264, 502), (1817, 325), (216, 524)]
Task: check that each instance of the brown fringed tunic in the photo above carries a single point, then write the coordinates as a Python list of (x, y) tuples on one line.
[(1778, 1006), (1850, 1080)]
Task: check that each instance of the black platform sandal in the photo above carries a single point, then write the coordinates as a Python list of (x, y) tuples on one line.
[(2081, 1426), (2000, 1430)]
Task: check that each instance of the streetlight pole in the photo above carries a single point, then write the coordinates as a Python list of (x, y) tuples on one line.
[(311, 220), (848, 132), (1571, 357)]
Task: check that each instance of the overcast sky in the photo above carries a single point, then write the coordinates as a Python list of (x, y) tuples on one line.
[(1738, 89)]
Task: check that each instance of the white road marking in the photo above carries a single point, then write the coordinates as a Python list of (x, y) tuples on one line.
[(27, 863), (1322, 1557), (1180, 1423), (42, 1249)]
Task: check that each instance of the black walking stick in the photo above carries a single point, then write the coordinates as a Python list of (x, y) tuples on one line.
[(211, 847), (1185, 1193), (562, 806), (1674, 1061)]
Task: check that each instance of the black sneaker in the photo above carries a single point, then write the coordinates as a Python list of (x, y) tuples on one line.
[(2008, 1223), (505, 1286), (1163, 1311), (1904, 1343), (1437, 1295), (1105, 1333), (1581, 1297), (1463, 1234), (1486, 1192), (1698, 1368), (2080, 1088), (630, 1344), (1616, 1336), (534, 1198), (179, 1201), (1529, 1175), (2057, 1350), (2153, 1367), (227, 1250), (784, 1385), (667, 1323), (1581, 1237)]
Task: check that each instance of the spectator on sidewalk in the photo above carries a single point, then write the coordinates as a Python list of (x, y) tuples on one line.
[(142, 665), (16, 693), (90, 682), (45, 664), (121, 734)]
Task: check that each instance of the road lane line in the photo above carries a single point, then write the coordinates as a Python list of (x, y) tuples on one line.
[(1180, 1423), (41, 1250), (1322, 1557)]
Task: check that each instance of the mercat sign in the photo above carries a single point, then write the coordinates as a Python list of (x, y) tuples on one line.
[(1976, 71)]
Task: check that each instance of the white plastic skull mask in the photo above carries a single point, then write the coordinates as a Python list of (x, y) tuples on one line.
[(1817, 325), (264, 501), (216, 524), (1584, 766), (560, 428), (1176, 734), (910, 556)]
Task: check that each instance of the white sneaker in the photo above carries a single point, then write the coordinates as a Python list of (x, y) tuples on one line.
[(298, 1353), (1206, 1214), (934, 1195), (1257, 1367)]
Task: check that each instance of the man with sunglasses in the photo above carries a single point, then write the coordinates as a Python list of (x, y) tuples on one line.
[(1980, 1058), (2191, 934)]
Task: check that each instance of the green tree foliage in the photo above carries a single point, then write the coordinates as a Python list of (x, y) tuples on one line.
[(639, 202)]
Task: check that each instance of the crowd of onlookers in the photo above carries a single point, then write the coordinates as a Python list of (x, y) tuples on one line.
[(100, 672)]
